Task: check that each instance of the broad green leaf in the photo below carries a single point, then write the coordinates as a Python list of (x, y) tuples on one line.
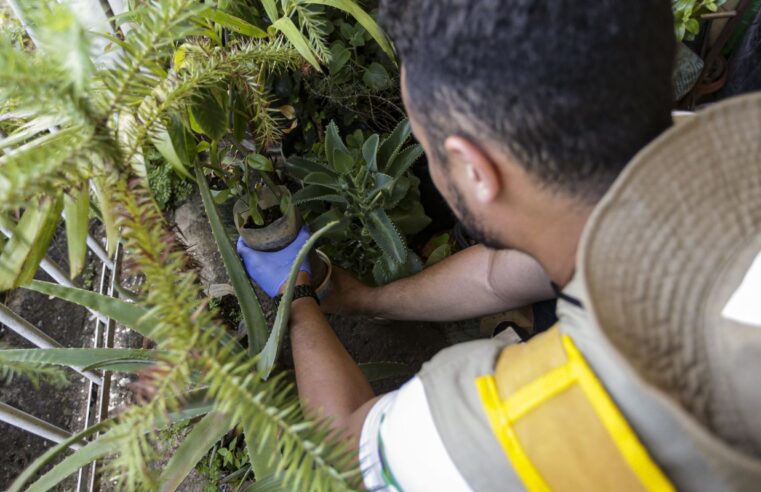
[(441, 252), (331, 215), (391, 145), (262, 451), (386, 236), (333, 143), (126, 313), (410, 220), (403, 160), (90, 358), (316, 192), (251, 310), (297, 39), (76, 212), (383, 183), (233, 23), (172, 144), (343, 162), (22, 253), (323, 179), (378, 371), (370, 152), (339, 57), (364, 19), (259, 163), (209, 115), (106, 206), (299, 168), (269, 484), (271, 351), (97, 449), (271, 8), (205, 433), (376, 77), (42, 242)]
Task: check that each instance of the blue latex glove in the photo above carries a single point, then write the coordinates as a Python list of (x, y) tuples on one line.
[(270, 269)]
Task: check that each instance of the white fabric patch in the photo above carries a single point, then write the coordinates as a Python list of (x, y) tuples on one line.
[(413, 447), (745, 304)]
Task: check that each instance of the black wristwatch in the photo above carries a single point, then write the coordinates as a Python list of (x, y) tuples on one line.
[(304, 290)]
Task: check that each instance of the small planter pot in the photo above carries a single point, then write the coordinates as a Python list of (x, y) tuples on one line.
[(322, 269), (271, 237)]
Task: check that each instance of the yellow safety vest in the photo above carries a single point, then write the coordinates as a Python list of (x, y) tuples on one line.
[(557, 424)]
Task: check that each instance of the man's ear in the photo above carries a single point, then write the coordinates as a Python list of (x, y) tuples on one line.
[(481, 174)]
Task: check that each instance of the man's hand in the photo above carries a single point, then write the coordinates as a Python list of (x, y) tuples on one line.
[(270, 269), (348, 295)]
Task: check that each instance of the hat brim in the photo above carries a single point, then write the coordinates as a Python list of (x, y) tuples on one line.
[(666, 248)]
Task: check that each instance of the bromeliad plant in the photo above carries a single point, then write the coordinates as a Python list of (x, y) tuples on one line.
[(79, 134), (367, 185)]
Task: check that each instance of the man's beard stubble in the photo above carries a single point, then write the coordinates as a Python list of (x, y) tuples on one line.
[(473, 227)]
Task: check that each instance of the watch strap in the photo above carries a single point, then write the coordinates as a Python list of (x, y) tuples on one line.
[(304, 290)]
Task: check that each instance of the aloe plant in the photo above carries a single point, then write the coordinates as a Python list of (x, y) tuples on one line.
[(366, 185)]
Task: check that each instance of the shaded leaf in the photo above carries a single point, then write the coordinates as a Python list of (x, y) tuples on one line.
[(386, 236), (343, 162), (370, 152), (364, 19), (403, 160), (391, 145), (233, 23), (209, 115), (205, 433), (376, 77), (297, 39), (316, 192), (259, 162), (251, 310), (76, 212)]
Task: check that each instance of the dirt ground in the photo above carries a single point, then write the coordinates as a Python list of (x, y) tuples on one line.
[(68, 324)]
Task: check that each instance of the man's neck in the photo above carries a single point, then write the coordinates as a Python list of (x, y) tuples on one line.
[(554, 241)]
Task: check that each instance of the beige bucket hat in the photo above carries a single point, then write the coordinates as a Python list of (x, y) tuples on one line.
[(671, 267)]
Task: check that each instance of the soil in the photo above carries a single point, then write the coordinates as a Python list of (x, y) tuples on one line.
[(71, 326), (269, 215)]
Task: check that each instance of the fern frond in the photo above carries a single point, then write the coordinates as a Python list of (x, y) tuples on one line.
[(45, 164), (315, 25), (36, 373), (311, 461), (146, 51)]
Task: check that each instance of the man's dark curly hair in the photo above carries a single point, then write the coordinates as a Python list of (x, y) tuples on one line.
[(572, 89)]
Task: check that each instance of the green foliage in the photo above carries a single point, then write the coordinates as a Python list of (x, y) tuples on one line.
[(29, 368), (687, 16), (186, 80), (367, 185), (167, 186)]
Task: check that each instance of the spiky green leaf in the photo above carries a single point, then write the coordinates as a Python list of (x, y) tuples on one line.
[(251, 310), (391, 145), (370, 152), (271, 351), (386, 236)]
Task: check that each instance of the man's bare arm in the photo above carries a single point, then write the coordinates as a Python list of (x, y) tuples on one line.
[(474, 282), (329, 382)]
